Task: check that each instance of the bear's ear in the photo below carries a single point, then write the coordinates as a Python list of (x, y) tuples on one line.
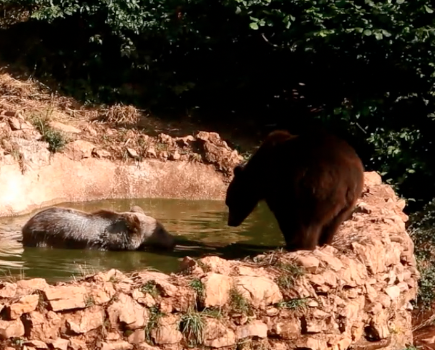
[(238, 169), (132, 222), (136, 209)]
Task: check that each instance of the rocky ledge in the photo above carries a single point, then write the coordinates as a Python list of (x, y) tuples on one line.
[(355, 294), (190, 167)]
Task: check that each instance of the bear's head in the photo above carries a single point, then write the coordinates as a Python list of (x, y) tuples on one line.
[(241, 198), (153, 233)]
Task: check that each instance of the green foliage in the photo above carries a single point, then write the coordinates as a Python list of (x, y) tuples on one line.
[(150, 287), (289, 274), (198, 287), (192, 326), (422, 232), (56, 140), (239, 303), (368, 66), (153, 322), (294, 304)]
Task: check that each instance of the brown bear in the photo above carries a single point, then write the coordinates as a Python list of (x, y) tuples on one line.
[(310, 182), (58, 227)]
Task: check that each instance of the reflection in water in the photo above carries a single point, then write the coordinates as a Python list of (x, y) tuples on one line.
[(199, 226)]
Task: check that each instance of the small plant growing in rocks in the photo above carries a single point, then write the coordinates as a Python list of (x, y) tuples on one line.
[(198, 287), (294, 304), (213, 313), (42, 302), (89, 301), (203, 266), (289, 273), (192, 326), (150, 288), (153, 322), (56, 140), (239, 303)]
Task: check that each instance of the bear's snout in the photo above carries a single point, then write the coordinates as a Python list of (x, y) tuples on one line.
[(233, 221)]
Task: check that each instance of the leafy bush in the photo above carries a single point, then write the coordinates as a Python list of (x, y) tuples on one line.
[(422, 231), (367, 66)]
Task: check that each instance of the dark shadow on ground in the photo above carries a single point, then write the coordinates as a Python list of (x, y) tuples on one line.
[(238, 250)]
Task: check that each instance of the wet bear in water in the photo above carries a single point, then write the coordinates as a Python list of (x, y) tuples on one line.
[(58, 227), (310, 182)]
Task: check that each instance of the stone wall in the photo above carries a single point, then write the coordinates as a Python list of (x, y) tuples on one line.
[(354, 294)]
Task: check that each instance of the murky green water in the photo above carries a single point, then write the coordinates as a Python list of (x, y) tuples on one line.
[(200, 228)]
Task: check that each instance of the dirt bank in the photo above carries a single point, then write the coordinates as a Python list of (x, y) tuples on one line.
[(53, 150)]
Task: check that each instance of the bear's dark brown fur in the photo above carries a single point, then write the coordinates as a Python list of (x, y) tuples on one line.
[(310, 182), (58, 227)]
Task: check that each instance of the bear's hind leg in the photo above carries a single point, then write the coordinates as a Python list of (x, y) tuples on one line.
[(299, 236), (329, 229)]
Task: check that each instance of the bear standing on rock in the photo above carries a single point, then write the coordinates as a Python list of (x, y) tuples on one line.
[(310, 182)]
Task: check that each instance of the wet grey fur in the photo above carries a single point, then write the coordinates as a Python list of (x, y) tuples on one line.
[(59, 227)]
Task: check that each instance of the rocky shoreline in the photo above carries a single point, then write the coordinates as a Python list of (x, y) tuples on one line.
[(355, 293)]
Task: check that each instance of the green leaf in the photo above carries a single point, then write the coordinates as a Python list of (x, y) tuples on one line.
[(367, 32), (254, 25), (428, 9), (238, 10), (378, 36), (400, 1)]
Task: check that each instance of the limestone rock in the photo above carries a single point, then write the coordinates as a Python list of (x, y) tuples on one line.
[(167, 331), (151, 152), (118, 345), (7, 290), (33, 284), (216, 264), (65, 128), (102, 295), (127, 311), (44, 327), (79, 149), (287, 329), (37, 344), (101, 153), (60, 344), (26, 304), (11, 329), (217, 289), (216, 335), (86, 320), (146, 346), (309, 343), (31, 152), (66, 297), (372, 178), (309, 263), (393, 292), (132, 153), (254, 329), (260, 291), (217, 152), (137, 337), (77, 344)]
